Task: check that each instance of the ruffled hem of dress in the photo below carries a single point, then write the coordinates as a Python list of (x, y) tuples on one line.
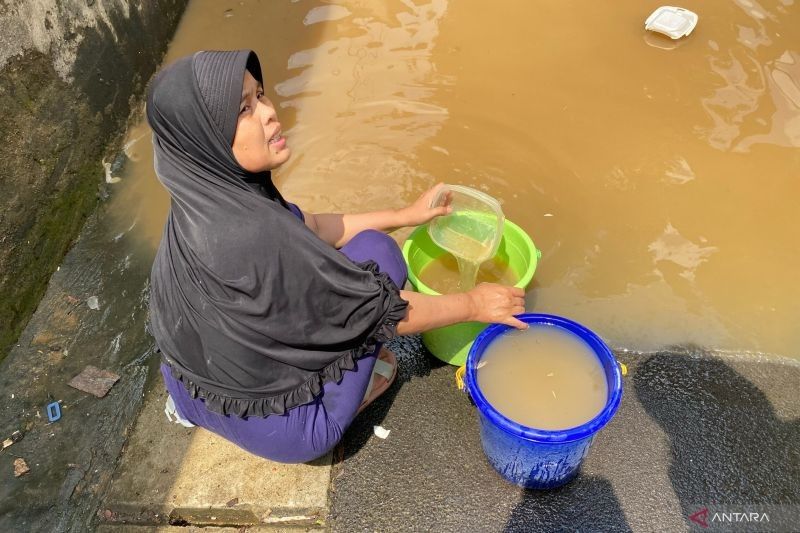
[(307, 391), (386, 329), (278, 404)]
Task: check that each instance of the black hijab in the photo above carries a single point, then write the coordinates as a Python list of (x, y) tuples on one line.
[(251, 310)]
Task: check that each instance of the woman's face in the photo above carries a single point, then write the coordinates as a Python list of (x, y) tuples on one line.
[(258, 144)]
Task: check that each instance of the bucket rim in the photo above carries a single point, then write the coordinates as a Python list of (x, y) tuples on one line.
[(586, 429), (524, 279)]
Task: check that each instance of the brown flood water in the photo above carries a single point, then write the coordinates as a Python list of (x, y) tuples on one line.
[(658, 178)]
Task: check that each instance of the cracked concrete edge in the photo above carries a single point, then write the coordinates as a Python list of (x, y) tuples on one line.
[(197, 529), (245, 517)]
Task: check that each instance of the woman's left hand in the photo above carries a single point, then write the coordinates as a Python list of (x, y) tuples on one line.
[(421, 211)]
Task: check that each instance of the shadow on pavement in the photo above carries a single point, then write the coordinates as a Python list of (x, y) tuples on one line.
[(587, 503), (728, 446)]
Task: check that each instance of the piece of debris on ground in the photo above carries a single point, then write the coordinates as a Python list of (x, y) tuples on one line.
[(20, 467), (94, 381), (15, 437)]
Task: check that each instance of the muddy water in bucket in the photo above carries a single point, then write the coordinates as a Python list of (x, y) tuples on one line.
[(544, 378), (527, 455)]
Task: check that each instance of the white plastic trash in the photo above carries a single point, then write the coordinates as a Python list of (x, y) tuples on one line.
[(674, 22), (172, 414), (381, 432)]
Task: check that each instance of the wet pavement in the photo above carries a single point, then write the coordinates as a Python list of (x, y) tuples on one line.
[(109, 462), (72, 460), (695, 429)]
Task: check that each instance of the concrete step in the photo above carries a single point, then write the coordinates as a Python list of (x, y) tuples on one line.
[(171, 475)]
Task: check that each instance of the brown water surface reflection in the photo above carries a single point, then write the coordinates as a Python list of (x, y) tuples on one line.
[(659, 178)]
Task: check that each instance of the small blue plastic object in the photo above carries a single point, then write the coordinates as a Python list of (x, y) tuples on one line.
[(53, 411)]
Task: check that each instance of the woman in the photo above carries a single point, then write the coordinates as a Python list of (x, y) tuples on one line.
[(270, 319)]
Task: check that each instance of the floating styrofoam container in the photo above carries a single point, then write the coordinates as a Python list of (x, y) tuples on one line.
[(674, 22)]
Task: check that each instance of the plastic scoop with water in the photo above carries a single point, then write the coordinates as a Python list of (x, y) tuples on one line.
[(471, 232)]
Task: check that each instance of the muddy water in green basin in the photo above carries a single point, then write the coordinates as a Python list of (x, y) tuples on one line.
[(658, 178), (443, 274)]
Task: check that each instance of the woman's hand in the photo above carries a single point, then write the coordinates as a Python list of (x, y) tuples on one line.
[(497, 304), (421, 211)]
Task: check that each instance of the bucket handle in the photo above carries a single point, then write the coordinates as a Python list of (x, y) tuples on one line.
[(461, 382), (460, 378)]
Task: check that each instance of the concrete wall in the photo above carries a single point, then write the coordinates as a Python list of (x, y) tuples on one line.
[(70, 73)]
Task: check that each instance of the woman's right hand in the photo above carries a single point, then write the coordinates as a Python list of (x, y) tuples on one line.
[(497, 304)]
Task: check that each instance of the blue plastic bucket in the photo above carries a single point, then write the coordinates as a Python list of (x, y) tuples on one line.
[(535, 458)]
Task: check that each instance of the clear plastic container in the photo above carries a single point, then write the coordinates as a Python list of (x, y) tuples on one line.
[(472, 231)]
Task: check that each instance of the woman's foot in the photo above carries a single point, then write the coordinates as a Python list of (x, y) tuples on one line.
[(383, 375)]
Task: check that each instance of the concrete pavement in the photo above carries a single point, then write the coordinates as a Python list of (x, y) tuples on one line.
[(695, 429)]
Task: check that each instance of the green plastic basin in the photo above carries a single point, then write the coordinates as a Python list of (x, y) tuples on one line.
[(451, 344)]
